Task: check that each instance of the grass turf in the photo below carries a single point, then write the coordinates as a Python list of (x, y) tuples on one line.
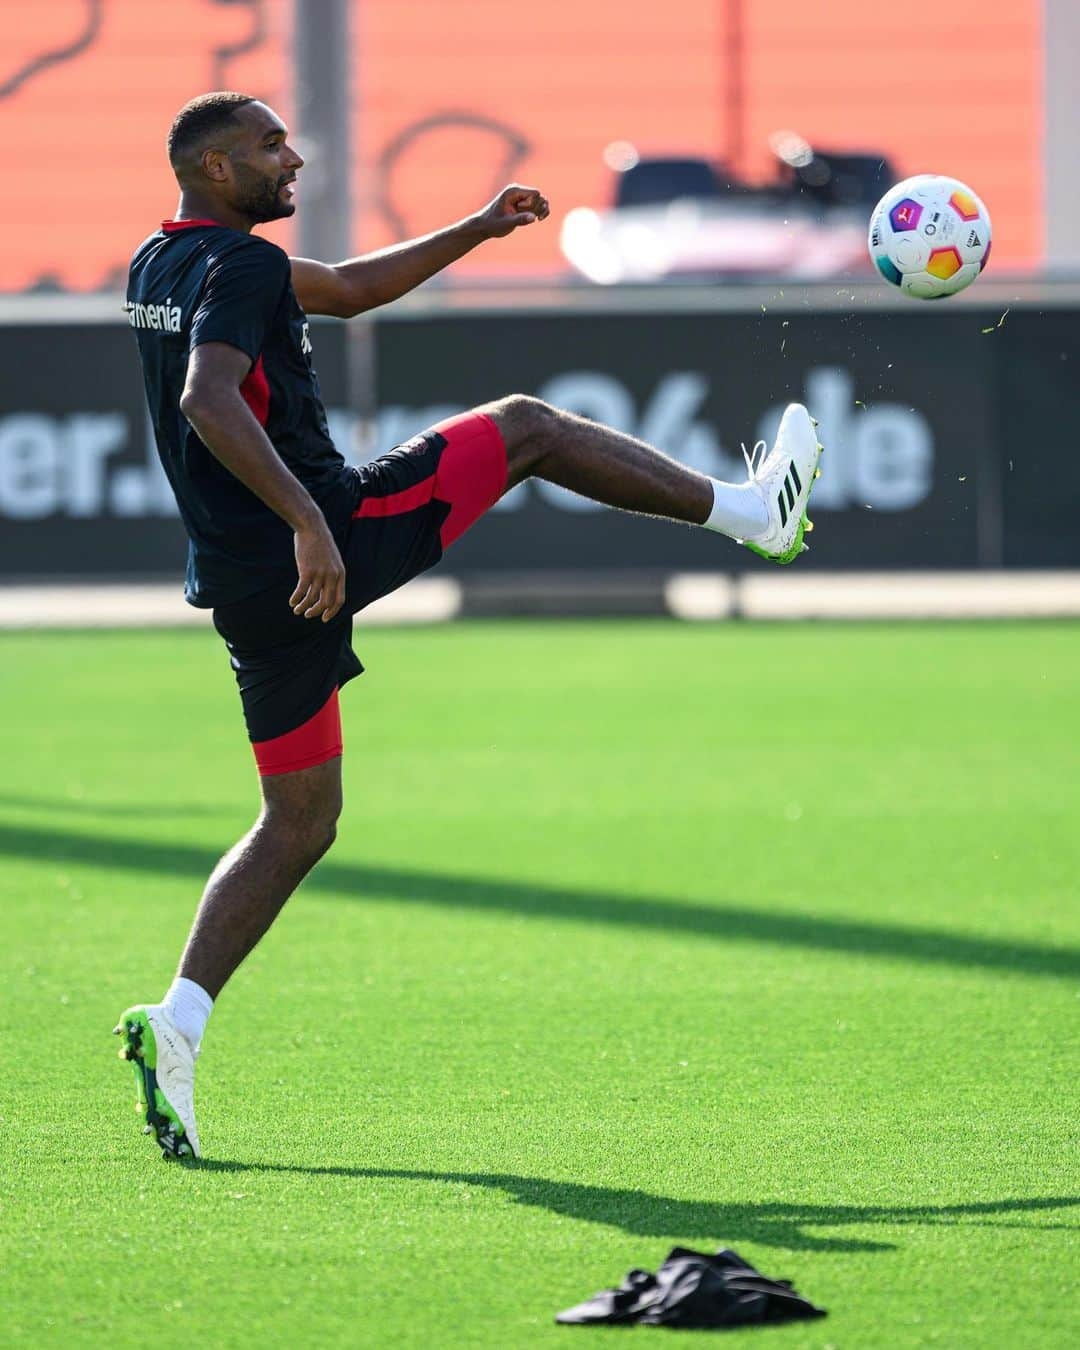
[(634, 934)]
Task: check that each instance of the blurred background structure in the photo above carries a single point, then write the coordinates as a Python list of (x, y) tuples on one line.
[(446, 101), (719, 158)]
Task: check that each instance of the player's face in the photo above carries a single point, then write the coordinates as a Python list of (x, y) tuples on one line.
[(264, 165)]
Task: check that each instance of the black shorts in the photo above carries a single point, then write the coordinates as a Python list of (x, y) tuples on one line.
[(411, 505)]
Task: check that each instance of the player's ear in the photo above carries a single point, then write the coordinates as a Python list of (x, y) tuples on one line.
[(215, 165)]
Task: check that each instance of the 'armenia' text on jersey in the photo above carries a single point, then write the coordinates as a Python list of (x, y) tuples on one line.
[(193, 282)]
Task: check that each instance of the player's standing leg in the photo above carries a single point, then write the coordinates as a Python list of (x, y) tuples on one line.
[(242, 898)]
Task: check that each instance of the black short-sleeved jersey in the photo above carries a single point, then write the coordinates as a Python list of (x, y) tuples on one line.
[(195, 281)]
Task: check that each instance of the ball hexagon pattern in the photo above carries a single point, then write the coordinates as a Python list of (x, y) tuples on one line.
[(905, 215), (888, 270), (944, 263), (964, 204)]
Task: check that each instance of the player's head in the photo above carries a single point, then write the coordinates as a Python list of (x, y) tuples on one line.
[(234, 148)]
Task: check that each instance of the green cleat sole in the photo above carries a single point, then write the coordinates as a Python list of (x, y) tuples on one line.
[(139, 1048)]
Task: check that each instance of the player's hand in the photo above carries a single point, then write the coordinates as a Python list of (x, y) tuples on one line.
[(320, 590), (515, 205)]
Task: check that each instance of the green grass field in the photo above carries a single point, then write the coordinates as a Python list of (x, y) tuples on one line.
[(634, 934)]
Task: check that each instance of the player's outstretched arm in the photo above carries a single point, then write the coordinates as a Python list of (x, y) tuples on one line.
[(348, 288), (214, 406)]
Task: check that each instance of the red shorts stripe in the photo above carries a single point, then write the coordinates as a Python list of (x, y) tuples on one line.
[(313, 742), (470, 478), (397, 503)]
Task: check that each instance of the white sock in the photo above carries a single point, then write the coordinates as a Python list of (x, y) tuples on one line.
[(737, 510), (189, 1006)]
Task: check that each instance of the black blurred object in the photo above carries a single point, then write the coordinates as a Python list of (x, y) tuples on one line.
[(659, 179), (841, 180), (694, 1291), (821, 177)]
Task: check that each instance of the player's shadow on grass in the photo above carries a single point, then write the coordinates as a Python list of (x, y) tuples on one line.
[(773, 1224), (91, 806), (666, 915)]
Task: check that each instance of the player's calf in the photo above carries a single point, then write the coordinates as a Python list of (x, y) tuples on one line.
[(305, 834), (767, 513), (596, 461), (249, 886)]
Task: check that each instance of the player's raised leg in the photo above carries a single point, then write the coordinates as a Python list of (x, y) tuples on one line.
[(243, 896), (767, 512)]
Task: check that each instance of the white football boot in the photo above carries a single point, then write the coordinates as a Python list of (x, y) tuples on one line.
[(164, 1065), (784, 478)]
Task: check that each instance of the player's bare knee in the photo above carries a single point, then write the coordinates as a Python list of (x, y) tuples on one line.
[(317, 827), (528, 429), (539, 418), (306, 835), (320, 839), (303, 815), (521, 418)]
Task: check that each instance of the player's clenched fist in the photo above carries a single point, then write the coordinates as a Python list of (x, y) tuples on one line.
[(320, 588), (515, 205)]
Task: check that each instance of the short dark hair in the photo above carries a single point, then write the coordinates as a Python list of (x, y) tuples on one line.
[(203, 117)]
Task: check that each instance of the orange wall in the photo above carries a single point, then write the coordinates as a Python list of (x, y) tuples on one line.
[(935, 87), (86, 174), (944, 88)]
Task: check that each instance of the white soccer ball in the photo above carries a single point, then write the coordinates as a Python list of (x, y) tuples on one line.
[(930, 235)]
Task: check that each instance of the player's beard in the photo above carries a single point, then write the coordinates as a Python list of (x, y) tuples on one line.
[(259, 197)]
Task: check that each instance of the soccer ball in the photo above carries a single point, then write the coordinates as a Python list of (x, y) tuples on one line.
[(930, 236)]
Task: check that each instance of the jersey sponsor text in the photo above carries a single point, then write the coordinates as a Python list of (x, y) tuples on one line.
[(165, 318)]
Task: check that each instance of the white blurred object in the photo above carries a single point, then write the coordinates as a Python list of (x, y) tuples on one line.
[(910, 595), (676, 217), (162, 605)]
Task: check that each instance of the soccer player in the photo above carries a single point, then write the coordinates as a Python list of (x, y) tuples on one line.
[(288, 542)]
